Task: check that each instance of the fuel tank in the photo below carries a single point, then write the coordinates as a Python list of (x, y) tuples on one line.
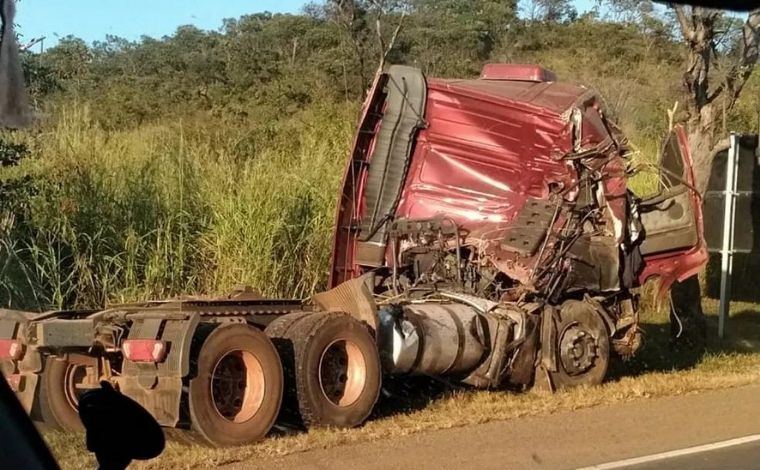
[(432, 338)]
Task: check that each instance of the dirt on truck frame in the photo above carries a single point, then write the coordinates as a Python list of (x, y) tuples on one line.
[(484, 232)]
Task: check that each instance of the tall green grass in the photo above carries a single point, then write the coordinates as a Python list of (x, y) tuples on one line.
[(172, 207)]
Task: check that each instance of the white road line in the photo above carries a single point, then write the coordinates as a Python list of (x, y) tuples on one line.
[(673, 453)]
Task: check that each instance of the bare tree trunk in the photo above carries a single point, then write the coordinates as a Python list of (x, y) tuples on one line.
[(701, 144), (698, 28)]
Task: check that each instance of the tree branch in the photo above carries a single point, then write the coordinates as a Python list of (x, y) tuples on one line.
[(386, 49), (749, 55), (684, 21)]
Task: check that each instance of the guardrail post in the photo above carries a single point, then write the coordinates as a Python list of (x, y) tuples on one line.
[(727, 248)]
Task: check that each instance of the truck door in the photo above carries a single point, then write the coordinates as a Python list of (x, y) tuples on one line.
[(673, 245)]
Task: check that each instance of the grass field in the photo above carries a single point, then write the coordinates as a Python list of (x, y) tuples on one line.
[(421, 405), (169, 208)]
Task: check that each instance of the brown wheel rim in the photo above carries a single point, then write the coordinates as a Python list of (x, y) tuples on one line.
[(342, 372), (75, 376), (237, 386)]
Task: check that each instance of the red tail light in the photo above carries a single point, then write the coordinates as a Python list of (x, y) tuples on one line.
[(14, 381), (144, 350), (11, 349)]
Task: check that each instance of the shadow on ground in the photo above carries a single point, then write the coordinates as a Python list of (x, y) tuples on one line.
[(406, 394), (661, 354)]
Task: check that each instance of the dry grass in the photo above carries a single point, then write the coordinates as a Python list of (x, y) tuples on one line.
[(731, 363)]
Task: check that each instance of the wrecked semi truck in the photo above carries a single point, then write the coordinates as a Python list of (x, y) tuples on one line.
[(485, 232)]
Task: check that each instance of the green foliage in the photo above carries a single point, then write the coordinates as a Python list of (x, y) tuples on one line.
[(453, 38), (173, 208)]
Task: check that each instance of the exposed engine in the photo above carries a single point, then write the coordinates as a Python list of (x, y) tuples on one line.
[(447, 310), (450, 310)]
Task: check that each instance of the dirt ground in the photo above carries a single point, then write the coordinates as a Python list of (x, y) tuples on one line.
[(564, 440)]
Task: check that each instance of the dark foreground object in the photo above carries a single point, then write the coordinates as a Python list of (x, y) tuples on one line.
[(23, 446), (118, 429)]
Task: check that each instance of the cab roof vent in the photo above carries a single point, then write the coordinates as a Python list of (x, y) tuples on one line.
[(517, 72)]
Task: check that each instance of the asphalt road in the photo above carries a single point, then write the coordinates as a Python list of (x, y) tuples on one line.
[(739, 457), (598, 438)]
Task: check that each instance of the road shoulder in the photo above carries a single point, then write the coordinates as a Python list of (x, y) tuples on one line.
[(568, 439)]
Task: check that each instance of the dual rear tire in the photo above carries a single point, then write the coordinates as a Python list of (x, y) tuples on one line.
[(235, 397), (333, 373), (60, 385), (331, 376)]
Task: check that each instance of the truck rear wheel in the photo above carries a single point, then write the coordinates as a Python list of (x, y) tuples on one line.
[(334, 368), (236, 395), (60, 386)]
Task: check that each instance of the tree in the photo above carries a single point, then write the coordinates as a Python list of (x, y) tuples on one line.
[(70, 59), (453, 38), (551, 10), (353, 18), (630, 11), (715, 73), (714, 76), (40, 79)]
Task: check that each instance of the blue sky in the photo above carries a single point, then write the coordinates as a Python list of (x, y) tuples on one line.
[(92, 20)]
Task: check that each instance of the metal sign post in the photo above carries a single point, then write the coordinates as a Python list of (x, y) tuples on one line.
[(727, 248)]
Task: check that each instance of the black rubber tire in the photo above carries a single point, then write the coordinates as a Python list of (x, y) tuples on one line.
[(279, 331), (577, 312), (280, 327), (206, 420), (303, 344), (51, 406)]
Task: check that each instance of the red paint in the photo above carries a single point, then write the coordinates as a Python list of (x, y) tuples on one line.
[(489, 145), (520, 72)]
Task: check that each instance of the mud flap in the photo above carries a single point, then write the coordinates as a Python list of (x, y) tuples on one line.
[(548, 352), (158, 386), (542, 381), (353, 297), (548, 340)]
